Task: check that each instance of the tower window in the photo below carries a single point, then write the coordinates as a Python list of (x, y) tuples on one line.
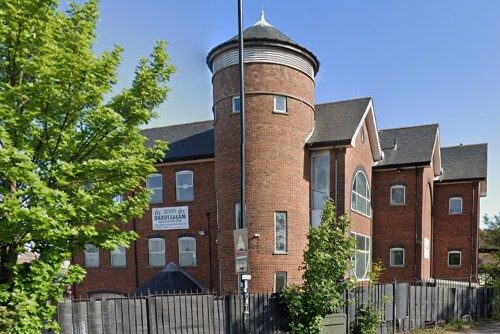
[(398, 194), (454, 258), (236, 104), (280, 232), (280, 105), (280, 278), (455, 206), (397, 257)]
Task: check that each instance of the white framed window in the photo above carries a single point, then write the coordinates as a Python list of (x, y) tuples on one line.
[(187, 252), (236, 104), (280, 105), (398, 195), (397, 255), (184, 186), (280, 280), (362, 135), (361, 258), (454, 258), (91, 256), (154, 183), (360, 195), (280, 232), (455, 205), (118, 257), (238, 223), (320, 184), (156, 252)]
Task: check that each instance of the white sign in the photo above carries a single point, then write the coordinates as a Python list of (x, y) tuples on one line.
[(427, 248), (171, 218), (241, 263)]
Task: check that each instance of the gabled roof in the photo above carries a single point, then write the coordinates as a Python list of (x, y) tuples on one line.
[(185, 141), (170, 279), (413, 145), (337, 123), (465, 162)]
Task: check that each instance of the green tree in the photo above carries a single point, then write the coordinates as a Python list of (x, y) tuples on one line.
[(326, 262), (68, 147), (490, 270)]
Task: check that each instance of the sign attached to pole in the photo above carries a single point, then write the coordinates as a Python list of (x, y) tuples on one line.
[(241, 264), (240, 237), (170, 218)]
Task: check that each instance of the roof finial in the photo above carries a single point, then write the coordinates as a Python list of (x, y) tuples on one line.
[(262, 21)]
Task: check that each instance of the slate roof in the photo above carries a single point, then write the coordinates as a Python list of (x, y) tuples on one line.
[(170, 279), (464, 162), (414, 145), (264, 33), (336, 122), (185, 141)]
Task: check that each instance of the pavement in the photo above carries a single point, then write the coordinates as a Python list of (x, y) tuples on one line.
[(487, 329)]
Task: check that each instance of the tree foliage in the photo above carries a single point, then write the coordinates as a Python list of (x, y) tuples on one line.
[(326, 262), (68, 147), (490, 270)]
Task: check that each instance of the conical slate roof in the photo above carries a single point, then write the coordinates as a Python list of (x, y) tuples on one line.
[(265, 33), (170, 279)]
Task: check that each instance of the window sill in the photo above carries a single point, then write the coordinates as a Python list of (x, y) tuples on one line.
[(92, 267), (455, 267), (188, 201), (280, 253), (397, 267), (395, 204), (187, 266), (280, 112), (455, 214)]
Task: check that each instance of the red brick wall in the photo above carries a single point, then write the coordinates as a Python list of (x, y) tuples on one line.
[(426, 227), (106, 278), (454, 232), (394, 225), (277, 168), (358, 158)]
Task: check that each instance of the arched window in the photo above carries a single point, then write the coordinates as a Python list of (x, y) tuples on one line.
[(184, 186), (397, 257), (187, 252), (398, 195), (360, 195), (361, 257)]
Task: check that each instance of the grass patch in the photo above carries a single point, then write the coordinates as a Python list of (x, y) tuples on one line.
[(455, 325)]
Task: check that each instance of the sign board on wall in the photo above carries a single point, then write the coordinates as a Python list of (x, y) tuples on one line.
[(170, 218)]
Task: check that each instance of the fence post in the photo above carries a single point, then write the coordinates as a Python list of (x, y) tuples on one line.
[(394, 307)]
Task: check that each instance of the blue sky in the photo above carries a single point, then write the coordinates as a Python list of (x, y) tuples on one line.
[(422, 61)]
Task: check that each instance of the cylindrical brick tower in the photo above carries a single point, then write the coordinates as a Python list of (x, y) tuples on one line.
[(279, 94)]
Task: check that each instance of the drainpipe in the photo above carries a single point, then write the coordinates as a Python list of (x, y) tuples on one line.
[(416, 224), (209, 250), (473, 211), (336, 183), (432, 229)]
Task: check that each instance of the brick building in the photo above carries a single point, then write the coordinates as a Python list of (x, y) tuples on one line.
[(400, 188)]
